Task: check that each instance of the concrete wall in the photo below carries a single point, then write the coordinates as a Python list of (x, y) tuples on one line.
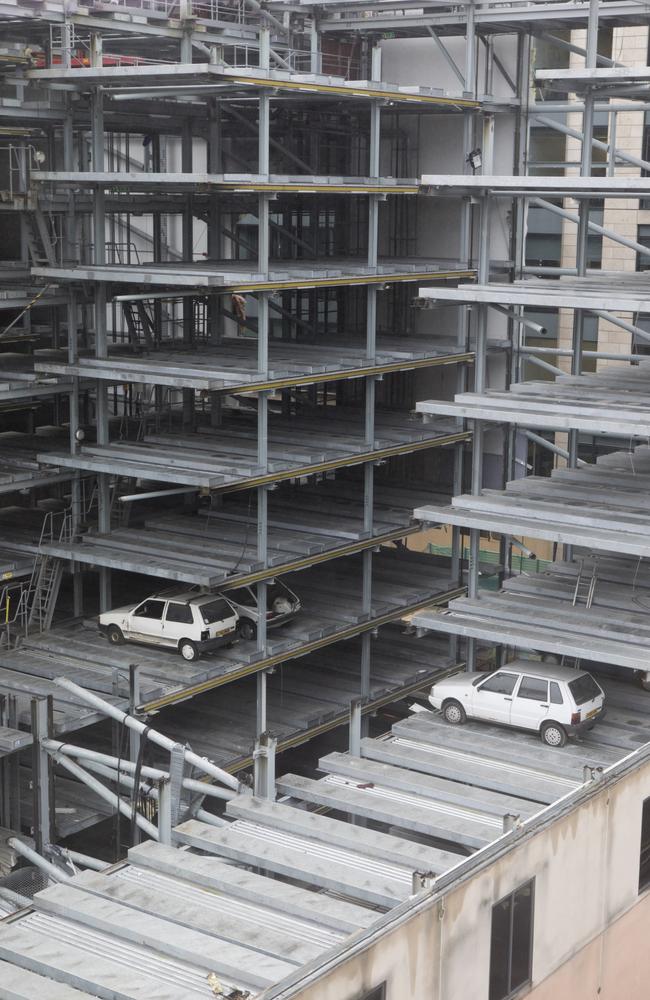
[(590, 924)]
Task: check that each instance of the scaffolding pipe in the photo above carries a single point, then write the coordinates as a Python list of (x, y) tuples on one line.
[(162, 741), (636, 331), (555, 448), (593, 226), (20, 847), (596, 143), (546, 365), (522, 320), (85, 860), (567, 353), (106, 794)]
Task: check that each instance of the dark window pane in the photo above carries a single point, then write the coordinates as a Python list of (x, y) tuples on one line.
[(556, 694), (181, 613), (150, 609), (522, 926), (500, 950), (378, 993), (533, 688), (644, 865), (584, 688), (215, 611), (500, 684)]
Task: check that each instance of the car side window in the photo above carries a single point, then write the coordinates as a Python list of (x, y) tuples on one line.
[(556, 694), (150, 609), (533, 688), (500, 684), (181, 613)]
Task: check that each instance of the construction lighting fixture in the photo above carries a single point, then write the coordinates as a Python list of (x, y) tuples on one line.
[(475, 159), (79, 434)]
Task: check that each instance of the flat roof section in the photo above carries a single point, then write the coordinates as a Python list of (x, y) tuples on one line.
[(614, 401), (20, 380), (603, 507), (225, 458), (236, 277), (576, 79), (525, 186), (232, 365), (331, 595), (537, 612), (218, 548), (609, 291), (200, 181), (247, 82), (228, 904)]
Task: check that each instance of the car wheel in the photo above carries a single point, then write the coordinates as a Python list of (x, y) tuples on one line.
[(553, 735), (115, 635), (188, 650), (246, 629), (454, 713)]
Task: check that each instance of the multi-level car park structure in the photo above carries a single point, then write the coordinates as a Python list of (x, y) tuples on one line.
[(226, 231)]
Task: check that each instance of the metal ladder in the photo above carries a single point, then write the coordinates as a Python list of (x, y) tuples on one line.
[(585, 584), (583, 596), (47, 574)]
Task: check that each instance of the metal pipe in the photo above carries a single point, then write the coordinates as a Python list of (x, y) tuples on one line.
[(555, 448), (37, 859), (154, 494), (95, 864), (570, 47), (546, 365), (522, 320), (566, 353), (593, 226), (106, 794), (636, 331), (596, 143), (210, 818), (162, 741)]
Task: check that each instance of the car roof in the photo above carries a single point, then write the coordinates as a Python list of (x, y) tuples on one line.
[(548, 671), (185, 597)]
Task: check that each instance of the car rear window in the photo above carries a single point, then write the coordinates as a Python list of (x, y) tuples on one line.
[(583, 689), (215, 611)]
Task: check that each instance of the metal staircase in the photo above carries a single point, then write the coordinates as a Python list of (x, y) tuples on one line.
[(38, 239), (46, 576), (140, 324)]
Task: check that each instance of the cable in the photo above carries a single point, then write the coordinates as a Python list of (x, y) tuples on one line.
[(231, 572), (136, 779)]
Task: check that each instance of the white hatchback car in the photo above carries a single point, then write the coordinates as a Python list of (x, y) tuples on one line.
[(190, 623), (554, 701)]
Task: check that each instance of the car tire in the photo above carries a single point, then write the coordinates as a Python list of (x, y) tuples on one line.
[(246, 629), (188, 650), (115, 635), (553, 734), (454, 713)]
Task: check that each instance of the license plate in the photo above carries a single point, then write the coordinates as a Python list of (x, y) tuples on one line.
[(593, 712), (221, 631)]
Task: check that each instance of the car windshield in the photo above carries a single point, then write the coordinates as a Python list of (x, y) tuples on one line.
[(215, 611), (584, 689)]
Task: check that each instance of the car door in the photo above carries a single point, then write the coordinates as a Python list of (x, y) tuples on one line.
[(530, 705), (145, 621), (178, 623), (492, 698)]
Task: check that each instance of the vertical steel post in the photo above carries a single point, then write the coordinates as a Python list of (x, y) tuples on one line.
[(480, 372), (264, 766), (42, 824), (355, 726), (101, 341)]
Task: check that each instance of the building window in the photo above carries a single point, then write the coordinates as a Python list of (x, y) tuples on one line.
[(644, 853), (379, 993), (643, 259), (511, 946)]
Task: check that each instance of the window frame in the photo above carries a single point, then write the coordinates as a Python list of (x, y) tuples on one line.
[(492, 677), (179, 604), (644, 868), (525, 697), (147, 600), (514, 991)]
